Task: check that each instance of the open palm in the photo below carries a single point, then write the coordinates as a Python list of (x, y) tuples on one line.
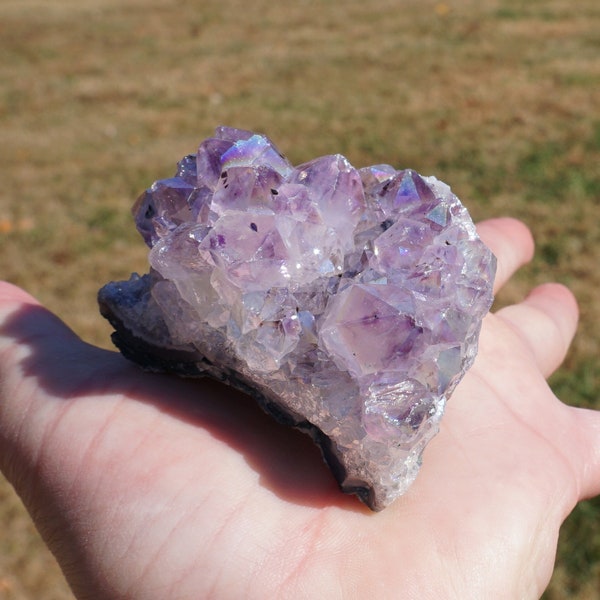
[(147, 486)]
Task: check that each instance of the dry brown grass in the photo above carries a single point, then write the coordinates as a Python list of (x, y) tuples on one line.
[(100, 97)]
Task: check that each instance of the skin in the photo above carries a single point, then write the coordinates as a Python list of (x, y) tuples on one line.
[(148, 486)]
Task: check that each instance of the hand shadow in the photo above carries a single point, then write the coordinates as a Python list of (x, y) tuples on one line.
[(287, 461)]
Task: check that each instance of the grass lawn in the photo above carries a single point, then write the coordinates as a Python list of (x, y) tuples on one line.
[(98, 98)]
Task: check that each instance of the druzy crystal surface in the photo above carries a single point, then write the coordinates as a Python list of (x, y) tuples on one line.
[(347, 301)]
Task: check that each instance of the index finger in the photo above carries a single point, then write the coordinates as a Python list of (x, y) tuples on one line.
[(511, 242)]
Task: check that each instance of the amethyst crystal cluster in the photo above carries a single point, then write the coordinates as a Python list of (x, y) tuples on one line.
[(347, 302)]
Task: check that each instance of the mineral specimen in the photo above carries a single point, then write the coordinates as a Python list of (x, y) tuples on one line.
[(347, 302)]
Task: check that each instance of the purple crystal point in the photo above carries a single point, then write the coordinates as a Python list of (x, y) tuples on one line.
[(348, 303)]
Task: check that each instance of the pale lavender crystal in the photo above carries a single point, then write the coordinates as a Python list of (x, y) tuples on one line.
[(347, 302)]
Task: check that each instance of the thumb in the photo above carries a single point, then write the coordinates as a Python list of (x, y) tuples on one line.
[(57, 395), (24, 324), (44, 366)]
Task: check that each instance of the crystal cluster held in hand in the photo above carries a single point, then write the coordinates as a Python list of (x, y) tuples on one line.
[(347, 301)]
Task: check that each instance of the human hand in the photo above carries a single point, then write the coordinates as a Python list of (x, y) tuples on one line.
[(148, 486)]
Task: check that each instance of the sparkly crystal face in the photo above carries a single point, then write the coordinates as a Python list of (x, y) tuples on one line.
[(347, 302)]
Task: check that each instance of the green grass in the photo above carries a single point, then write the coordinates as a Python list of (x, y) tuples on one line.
[(98, 98)]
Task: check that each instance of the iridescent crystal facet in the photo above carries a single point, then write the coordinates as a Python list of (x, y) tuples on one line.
[(347, 302)]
